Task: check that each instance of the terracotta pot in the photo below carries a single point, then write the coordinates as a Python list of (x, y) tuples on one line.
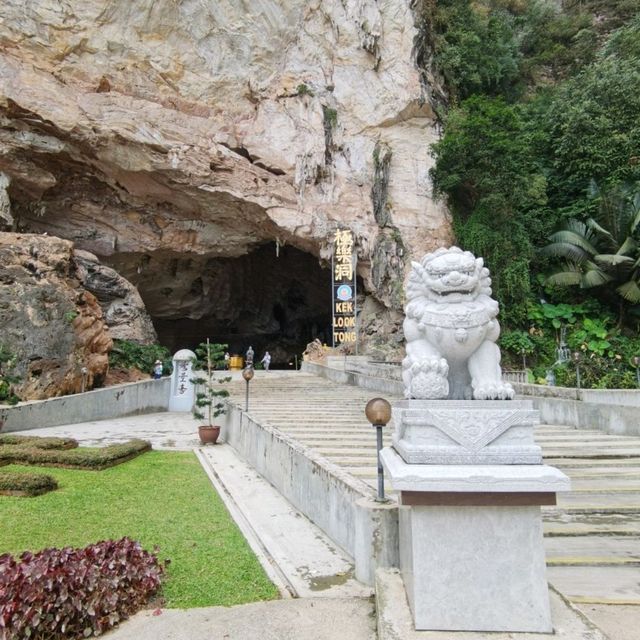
[(208, 435)]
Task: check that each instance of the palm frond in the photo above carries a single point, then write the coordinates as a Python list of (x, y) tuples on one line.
[(573, 237), (564, 278), (592, 224), (613, 259), (635, 204), (630, 291), (566, 250), (628, 246), (594, 278)]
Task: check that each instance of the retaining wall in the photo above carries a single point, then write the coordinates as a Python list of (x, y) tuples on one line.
[(614, 411), (356, 378), (147, 396), (341, 505)]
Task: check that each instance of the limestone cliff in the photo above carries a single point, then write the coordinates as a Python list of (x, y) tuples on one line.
[(168, 134), (49, 321)]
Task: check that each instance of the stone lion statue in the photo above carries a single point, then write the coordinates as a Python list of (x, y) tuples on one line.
[(451, 330)]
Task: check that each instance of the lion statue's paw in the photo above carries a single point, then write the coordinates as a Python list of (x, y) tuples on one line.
[(429, 379), (493, 391)]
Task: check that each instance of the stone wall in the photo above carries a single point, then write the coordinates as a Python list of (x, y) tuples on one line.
[(148, 396)]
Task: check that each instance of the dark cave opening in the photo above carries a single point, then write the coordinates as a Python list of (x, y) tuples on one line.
[(274, 298)]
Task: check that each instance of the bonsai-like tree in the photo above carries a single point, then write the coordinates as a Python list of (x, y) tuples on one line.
[(208, 403)]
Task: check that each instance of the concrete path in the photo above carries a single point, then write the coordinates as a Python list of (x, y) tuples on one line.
[(592, 537), (301, 619)]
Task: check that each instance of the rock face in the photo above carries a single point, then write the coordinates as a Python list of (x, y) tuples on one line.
[(48, 320), (122, 307), (167, 133)]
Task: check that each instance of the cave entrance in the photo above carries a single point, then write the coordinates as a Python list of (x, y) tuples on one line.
[(274, 298)]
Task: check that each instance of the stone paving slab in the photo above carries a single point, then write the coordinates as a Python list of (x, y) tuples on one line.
[(167, 431), (297, 619)]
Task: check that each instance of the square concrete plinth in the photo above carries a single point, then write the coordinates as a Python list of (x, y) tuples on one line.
[(471, 546), (475, 568)]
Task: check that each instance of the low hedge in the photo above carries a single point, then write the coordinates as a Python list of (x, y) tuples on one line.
[(38, 443), (26, 484), (75, 593), (78, 458)]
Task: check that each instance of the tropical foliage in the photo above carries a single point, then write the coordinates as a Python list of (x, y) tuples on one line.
[(127, 354), (602, 252), (544, 100)]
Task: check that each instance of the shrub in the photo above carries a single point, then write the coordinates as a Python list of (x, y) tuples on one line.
[(82, 457), (26, 484), (38, 442), (75, 593), (127, 354), (7, 378)]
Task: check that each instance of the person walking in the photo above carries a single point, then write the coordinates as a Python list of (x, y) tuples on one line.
[(227, 357), (248, 358), (157, 370), (266, 360)]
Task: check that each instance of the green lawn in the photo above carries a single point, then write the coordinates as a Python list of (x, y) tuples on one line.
[(161, 498)]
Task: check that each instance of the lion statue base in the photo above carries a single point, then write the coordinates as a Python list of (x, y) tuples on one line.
[(451, 330)]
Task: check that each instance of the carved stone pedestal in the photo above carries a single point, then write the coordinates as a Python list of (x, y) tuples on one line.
[(471, 485), (466, 432)]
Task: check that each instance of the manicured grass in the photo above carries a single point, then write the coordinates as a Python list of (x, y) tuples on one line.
[(160, 498)]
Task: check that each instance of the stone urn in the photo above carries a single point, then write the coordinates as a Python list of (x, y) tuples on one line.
[(208, 434)]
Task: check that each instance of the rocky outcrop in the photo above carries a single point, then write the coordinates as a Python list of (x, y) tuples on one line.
[(122, 307), (161, 132), (53, 325)]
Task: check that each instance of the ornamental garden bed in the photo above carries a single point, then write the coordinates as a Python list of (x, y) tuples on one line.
[(56, 452)]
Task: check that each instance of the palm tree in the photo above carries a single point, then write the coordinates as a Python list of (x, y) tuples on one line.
[(604, 251)]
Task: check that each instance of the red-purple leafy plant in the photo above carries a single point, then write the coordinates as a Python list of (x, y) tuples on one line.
[(75, 593)]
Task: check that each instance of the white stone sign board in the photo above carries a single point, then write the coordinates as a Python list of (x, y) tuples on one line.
[(182, 389)]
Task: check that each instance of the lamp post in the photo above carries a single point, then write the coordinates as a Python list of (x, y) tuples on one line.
[(378, 412), (636, 364), (576, 359), (247, 374)]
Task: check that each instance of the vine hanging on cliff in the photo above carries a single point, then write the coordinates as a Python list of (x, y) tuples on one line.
[(379, 191)]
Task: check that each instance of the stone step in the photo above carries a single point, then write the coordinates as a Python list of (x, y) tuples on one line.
[(602, 584), (593, 549), (603, 497)]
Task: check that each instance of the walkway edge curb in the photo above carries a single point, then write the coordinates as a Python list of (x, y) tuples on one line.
[(273, 571)]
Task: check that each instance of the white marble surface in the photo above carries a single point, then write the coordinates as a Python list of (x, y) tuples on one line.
[(475, 568), (451, 330), (466, 432), (482, 478)]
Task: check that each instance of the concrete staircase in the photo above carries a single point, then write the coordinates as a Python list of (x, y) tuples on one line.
[(592, 536)]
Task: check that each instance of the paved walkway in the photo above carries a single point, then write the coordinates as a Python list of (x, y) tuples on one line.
[(592, 537)]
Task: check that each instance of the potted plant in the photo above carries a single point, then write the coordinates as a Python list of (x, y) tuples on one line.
[(208, 403)]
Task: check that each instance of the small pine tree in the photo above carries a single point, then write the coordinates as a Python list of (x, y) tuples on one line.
[(209, 356)]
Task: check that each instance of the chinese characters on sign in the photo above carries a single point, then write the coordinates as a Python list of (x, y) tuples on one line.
[(182, 377), (343, 269)]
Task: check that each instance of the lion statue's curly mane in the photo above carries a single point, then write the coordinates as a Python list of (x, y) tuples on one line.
[(451, 330)]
